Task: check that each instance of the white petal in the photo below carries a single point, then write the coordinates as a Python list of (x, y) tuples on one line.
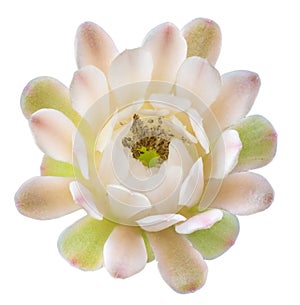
[(204, 220), (124, 203), (168, 49), (82, 196), (80, 155), (200, 77), (244, 194), (87, 86), (196, 122), (53, 133), (225, 154), (182, 128), (156, 223), (176, 103), (192, 187), (124, 252)]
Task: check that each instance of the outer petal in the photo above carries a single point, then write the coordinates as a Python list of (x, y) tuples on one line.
[(125, 252), (53, 133), (198, 76), (213, 242), (82, 243), (259, 140), (47, 92), (94, 47), (87, 86), (180, 265), (45, 198), (203, 37), (244, 194), (237, 95), (225, 154), (52, 167), (168, 49)]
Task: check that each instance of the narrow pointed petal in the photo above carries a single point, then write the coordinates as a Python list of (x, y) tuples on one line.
[(82, 196), (125, 252), (94, 46), (225, 154), (47, 92), (168, 49), (181, 266), (53, 133), (244, 194), (52, 167), (200, 77), (45, 198), (201, 221), (237, 95), (156, 223), (203, 37), (125, 203), (87, 86), (259, 140), (216, 240), (192, 186), (82, 243)]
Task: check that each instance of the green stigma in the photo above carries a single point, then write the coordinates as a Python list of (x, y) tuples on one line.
[(149, 158)]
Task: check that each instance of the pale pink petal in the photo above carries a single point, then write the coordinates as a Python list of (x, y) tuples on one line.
[(204, 220), (156, 223), (94, 46), (192, 187), (53, 132), (237, 95), (124, 203), (45, 197), (225, 154), (181, 266), (87, 86), (82, 196), (124, 252), (168, 49), (200, 77), (244, 194)]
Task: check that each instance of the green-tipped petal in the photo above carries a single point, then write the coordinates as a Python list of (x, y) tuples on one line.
[(180, 265), (216, 240), (82, 243), (52, 167), (203, 37), (47, 92), (259, 140)]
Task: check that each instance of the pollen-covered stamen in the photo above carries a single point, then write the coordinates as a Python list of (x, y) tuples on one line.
[(148, 140)]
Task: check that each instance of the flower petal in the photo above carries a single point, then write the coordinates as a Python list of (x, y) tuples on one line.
[(94, 46), (82, 243), (203, 220), (237, 95), (124, 203), (168, 49), (259, 140), (181, 266), (156, 223), (216, 240), (82, 196), (45, 198), (52, 167), (192, 186), (53, 132), (244, 194), (203, 37), (47, 92), (200, 77), (124, 252), (87, 86), (225, 154)]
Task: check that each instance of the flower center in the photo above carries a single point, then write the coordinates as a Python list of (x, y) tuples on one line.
[(148, 140)]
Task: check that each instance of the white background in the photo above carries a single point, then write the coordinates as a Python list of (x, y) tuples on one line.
[(37, 39)]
